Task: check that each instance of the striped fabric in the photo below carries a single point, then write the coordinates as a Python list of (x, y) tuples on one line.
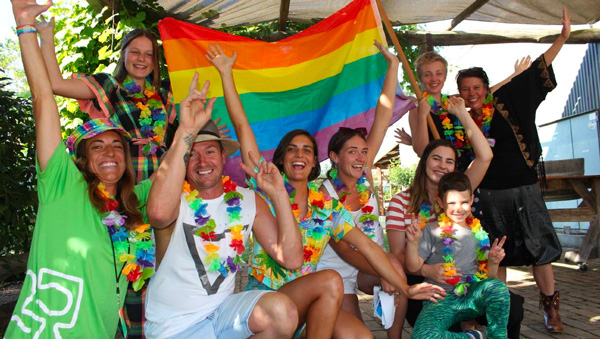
[(89, 130), (325, 77), (397, 218), (113, 102)]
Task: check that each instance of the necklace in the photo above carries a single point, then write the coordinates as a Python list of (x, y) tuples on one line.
[(320, 207), (425, 213), (483, 246), (206, 227), (367, 219), (454, 130), (139, 267), (485, 120), (152, 113)]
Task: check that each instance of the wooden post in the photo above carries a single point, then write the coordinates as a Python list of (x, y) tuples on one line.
[(407, 69)]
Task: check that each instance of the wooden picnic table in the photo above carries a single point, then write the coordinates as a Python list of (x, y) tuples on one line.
[(577, 186)]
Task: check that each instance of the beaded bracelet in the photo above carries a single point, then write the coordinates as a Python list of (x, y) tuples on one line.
[(22, 29)]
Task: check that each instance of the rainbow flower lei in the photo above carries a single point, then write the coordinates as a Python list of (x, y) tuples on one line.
[(320, 207), (453, 129), (447, 234), (206, 227), (425, 212), (152, 118), (367, 219), (139, 267)]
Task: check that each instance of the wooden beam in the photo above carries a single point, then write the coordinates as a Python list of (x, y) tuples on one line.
[(284, 11), (405, 65), (582, 214), (466, 13), (444, 38)]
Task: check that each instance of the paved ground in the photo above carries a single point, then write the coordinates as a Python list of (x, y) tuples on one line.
[(580, 297), (580, 302)]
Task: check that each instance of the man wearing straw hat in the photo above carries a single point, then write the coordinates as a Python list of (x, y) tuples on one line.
[(201, 234)]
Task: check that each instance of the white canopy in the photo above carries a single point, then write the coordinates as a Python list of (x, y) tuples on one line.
[(215, 13)]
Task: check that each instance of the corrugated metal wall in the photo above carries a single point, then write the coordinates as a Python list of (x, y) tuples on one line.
[(585, 94)]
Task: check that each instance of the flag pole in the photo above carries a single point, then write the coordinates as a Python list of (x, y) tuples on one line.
[(405, 65)]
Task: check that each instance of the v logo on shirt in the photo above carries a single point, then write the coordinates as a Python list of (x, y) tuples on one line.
[(190, 239)]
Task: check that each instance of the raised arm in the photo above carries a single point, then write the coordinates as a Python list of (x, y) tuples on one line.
[(279, 235), (481, 146), (224, 64), (552, 52), (45, 111), (520, 66), (417, 120), (70, 88), (385, 107), (164, 197)]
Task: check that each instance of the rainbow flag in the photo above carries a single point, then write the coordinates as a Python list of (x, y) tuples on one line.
[(325, 77)]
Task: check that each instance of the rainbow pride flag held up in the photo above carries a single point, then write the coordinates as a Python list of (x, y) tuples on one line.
[(327, 76)]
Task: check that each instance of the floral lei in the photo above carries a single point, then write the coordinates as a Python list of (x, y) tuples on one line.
[(206, 227), (454, 131), (425, 212), (367, 218), (320, 208), (152, 113), (447, 234), (139, 267)]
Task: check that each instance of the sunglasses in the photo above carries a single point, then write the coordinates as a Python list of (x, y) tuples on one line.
[(353, 131)]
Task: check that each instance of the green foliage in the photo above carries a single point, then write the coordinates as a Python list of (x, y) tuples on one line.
[(10, 62), (266, 31), (88, 42), (18, 198), (412, 53), (400, 176)]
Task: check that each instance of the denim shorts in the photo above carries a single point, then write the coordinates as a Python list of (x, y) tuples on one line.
[(229, 320)]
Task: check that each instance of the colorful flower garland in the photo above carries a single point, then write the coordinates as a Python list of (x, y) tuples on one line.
[(367, 219), (320, 207), (425, 213), (454, 131), (138, 267), (152, 118), (447, 234), (206, 227)]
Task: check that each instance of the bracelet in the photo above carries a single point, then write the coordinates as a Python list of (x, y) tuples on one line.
[(22, 29)]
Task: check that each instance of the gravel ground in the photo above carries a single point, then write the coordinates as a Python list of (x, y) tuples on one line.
[(10, 291)]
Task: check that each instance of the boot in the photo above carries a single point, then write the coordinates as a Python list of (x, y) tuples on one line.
[(551, 305)]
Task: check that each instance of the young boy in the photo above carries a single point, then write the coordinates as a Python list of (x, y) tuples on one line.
[(459, 241)]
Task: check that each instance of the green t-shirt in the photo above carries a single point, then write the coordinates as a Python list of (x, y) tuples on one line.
[(70, 287)]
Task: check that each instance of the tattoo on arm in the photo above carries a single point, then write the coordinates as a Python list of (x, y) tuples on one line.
[(189, 140)]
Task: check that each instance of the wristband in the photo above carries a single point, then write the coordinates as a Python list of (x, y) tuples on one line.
[(22, 29)]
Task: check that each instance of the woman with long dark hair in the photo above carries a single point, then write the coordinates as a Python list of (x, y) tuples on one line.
[(134, 96), (317, 295), (90, 238), (419, 201)]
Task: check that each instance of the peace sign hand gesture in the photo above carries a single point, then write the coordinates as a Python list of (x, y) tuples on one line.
[(496, 253), (413, 231), (266, 174), (192, 111)]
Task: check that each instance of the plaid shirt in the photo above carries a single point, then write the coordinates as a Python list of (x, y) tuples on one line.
[(113, 102)]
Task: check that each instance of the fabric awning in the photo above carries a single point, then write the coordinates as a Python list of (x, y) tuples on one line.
[(215, 13)]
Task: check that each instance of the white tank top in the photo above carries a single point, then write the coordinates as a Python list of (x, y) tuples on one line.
[(183, 291), (330, 259)]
